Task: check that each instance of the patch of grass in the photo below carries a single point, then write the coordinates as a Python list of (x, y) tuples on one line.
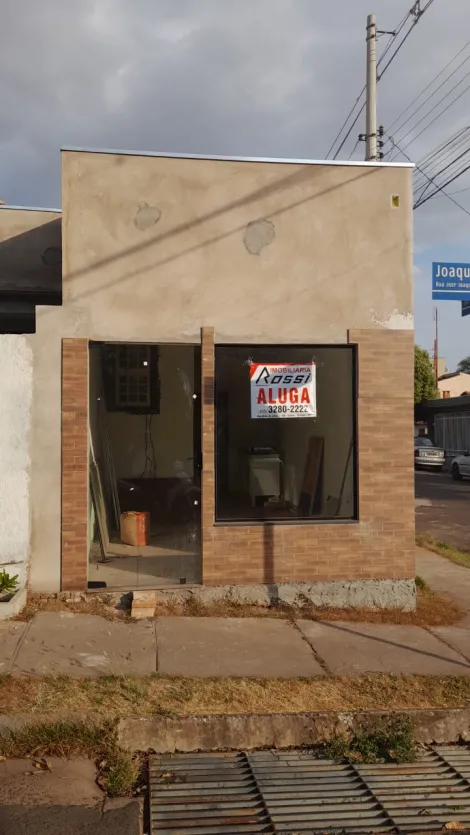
[(424, 540), (393, 743), (421, 585), (118, 771), (106, 699), (90, 606), (119, 774)]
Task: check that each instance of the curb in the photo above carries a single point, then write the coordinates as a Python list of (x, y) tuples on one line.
[(186, 734)]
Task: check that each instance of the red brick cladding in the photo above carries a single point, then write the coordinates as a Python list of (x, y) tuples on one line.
[(381, 544), (74, 567)]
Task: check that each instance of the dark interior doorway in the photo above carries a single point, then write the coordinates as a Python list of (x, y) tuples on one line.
[(145, 465)]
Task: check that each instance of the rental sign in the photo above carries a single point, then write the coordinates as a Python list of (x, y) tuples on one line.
[(284, 390)]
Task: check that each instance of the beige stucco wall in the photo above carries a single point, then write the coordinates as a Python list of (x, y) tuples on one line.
[(154, 248), (455, 385)]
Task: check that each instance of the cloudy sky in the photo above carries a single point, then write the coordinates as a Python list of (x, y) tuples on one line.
[(236, 77)]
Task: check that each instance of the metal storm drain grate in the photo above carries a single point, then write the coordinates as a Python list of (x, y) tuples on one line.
[(295, 792), (203, 794)]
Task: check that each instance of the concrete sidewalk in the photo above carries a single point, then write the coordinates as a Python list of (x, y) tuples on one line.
[(64, 799), (446, 578), (87, 646)]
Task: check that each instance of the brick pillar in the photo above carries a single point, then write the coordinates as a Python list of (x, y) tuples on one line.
[(208, 447), (74, 565)]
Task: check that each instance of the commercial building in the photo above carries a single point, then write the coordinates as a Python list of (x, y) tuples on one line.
[(231, 353)]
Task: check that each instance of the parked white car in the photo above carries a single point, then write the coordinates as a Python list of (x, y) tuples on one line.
[(427, 455), (461, 467)]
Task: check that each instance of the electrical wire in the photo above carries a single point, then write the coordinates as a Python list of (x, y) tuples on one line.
[(417, 98), (435, 106), (449, 197), (436, 159), (453, 175), (431, 96), (354, 149), (444, 185), (416, 20), (433, 121)]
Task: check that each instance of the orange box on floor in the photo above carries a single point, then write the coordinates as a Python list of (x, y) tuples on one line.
[(135, 528)]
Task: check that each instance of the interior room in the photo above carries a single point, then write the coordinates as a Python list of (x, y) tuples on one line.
[(144, 460), (285, 468)]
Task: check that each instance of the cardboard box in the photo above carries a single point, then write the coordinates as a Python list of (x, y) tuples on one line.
[(135, 528)]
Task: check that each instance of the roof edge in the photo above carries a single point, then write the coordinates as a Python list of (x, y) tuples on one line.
[(218, 158), (30, 209)]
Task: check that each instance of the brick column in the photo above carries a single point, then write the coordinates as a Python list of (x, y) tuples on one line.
[(74, 533), (208, 447), (385, 448)]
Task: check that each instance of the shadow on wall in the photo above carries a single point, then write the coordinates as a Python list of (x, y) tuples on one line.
[(30, 275), (302, 176)]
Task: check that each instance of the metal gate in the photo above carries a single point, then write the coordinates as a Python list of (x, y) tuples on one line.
[(452, 433)]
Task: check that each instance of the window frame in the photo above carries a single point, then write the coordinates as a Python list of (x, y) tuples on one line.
[(296, 521), (109, 371), (128, 372)]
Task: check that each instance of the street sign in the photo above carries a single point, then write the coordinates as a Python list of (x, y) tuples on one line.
[(451, 281), (465, 308)]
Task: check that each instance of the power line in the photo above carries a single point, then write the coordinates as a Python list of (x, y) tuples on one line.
[(346, 122), (452, 174), (415, 13), (449, 197), (434, 107), (354, 149), (430, 85), (443, 186), (438, 157), (431, 96), (459, 190), (432, 122)]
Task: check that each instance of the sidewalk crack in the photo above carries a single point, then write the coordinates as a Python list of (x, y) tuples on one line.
[(156, 643), (19, 645), (318, 658)]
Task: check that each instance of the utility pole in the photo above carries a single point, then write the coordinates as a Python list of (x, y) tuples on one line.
[(371, 90), (436, 348)]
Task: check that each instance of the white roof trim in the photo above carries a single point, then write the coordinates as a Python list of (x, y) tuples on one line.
[(30, 209), (350, 163)]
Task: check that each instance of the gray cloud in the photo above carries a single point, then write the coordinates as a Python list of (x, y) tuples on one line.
[(246, 77)]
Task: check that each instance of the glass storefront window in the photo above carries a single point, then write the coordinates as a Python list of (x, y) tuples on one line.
[(285, 433)]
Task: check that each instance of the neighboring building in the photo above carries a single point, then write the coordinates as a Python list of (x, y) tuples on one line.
[(454, 384), (448, 423), (184, 280), (441, 367)]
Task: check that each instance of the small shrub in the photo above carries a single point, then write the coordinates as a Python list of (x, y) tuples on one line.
[(8, 584), (394, 743), (421, 585)]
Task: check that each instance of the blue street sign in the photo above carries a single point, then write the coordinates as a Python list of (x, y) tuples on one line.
[(451, 281), (465, 308)]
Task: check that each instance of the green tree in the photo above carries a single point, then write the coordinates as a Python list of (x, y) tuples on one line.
[(425, 384), (464, 366)]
